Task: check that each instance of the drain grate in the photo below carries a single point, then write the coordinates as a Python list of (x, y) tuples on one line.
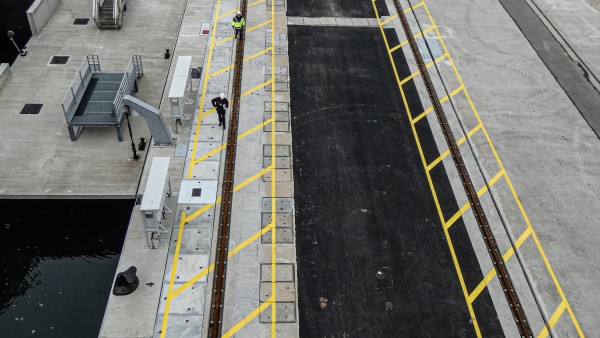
[(196, 192), (31, 108), (59, 60), (81, 21)]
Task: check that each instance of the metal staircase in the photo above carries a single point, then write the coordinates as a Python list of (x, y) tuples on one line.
[(108, 14)]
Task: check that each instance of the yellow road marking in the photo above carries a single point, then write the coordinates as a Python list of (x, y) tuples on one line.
[(425, 31), (442, 100), (480, 193), (553, 319), (273, 185), (437, 204), (211, 267), (253, 178), (518, 244), (458, 143), (386, 21), (247, 31), (249, 318), (488, 278), (431, 63), (262, 85), (237, 9), (224, 69), (173, 269), (508, 180)]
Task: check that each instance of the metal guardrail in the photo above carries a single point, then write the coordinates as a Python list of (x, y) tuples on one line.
[(134, 71), (90, 65)]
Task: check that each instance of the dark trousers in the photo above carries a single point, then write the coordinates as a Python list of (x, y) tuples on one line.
[(221, 114), (240, 32)]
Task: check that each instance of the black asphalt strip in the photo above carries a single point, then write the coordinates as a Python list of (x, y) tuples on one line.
[(363, 203)]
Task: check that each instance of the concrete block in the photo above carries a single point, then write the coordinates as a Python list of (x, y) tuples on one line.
[(197, 192), (282, 219), (280, 150), (191, 301), (5, 74), (180, 326), (281, 162), (281, 175), (284, 272), (284, 236), (282, 204), (188, 266), (284, 291), (286, 313)]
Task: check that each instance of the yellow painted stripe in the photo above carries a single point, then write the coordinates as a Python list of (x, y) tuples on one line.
[(431, 63), (437, 204), (262, 85), (384, 22), (482, 285), (553, 319), (231, 12), (173, 269), (508, 254), (508, 180), (273, 187), (255, 128), (459, 142), (253, 178), (264, 23), (442, 100), (248, 318), (253, 56)]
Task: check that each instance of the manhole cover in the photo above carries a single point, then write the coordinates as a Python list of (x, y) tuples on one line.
[(31, 108), (59, 60), (81, 21)]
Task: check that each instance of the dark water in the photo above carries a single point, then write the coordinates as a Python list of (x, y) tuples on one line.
[(14, 18), (58, 259)]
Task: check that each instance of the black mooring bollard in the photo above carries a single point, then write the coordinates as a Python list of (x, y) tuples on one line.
[(126, 282)]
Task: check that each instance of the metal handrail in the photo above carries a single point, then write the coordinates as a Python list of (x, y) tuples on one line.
[(71, 98), (134, 66)]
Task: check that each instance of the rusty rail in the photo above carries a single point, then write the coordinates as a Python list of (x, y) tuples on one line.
[(220, 270), (488, 237)]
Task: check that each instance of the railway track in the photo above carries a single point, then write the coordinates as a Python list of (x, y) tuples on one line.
[(488, 237), (220, 270)]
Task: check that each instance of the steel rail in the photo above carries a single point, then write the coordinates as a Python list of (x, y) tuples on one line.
[(220, 271), (488, 237)]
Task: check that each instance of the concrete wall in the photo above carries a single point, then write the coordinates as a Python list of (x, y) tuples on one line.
[(4, 74), (39, 13)]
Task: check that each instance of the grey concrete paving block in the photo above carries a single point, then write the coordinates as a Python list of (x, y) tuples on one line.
[(277, 3), (278, 50), (279, 87), (284, 236), (194, 240), (434, 46), (343, 21), (198, 221), (180, 326), (190, 302), (197, 192), (219, 87), (281, 162), (210, 119), (284, 272), (373, 22), (360, 22), (188, 266), (180, 150), (281, 175), (279, 8), (283, 219), (206, 170), (312, 21), (280, 115), (286, 313), (284, 77), (284, 291), (279, 106), (327, 21), (210, 133), (282, 204), (203, 148), (279, 127), (279, 70), (280, 150), (295, 20)]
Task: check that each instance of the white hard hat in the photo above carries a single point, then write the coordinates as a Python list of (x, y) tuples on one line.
[(222, 95), (239, 13)]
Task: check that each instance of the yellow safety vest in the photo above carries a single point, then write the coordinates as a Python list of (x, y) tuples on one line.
[(238, 23)]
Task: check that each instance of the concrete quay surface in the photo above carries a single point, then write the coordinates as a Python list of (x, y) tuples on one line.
[(529, 142)]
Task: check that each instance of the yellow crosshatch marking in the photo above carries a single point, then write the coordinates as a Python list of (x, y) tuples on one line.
[(458, 143), (430, 109), (403, 43), (223, 40), (502, 173), (233, 11), (395, 16), (171, 294)]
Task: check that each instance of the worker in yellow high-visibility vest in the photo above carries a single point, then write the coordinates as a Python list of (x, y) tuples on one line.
[(238, 24)]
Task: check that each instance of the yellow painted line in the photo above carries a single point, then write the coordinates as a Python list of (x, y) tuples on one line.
[(518, 244), (437, 204), (253, 56), (231, 12), (223, 145), (399, 46), (553, 319), (247, 31), (200, 212), (262, 85), (253, 178), (173, 269), (480, 193), (211, 267), (507, 255), (442, 100), (431, 63), (273, 186), (249, 318), (386, 21), (488, 278), (203, 96), (508, 180), (447, 152), (427, 30)]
